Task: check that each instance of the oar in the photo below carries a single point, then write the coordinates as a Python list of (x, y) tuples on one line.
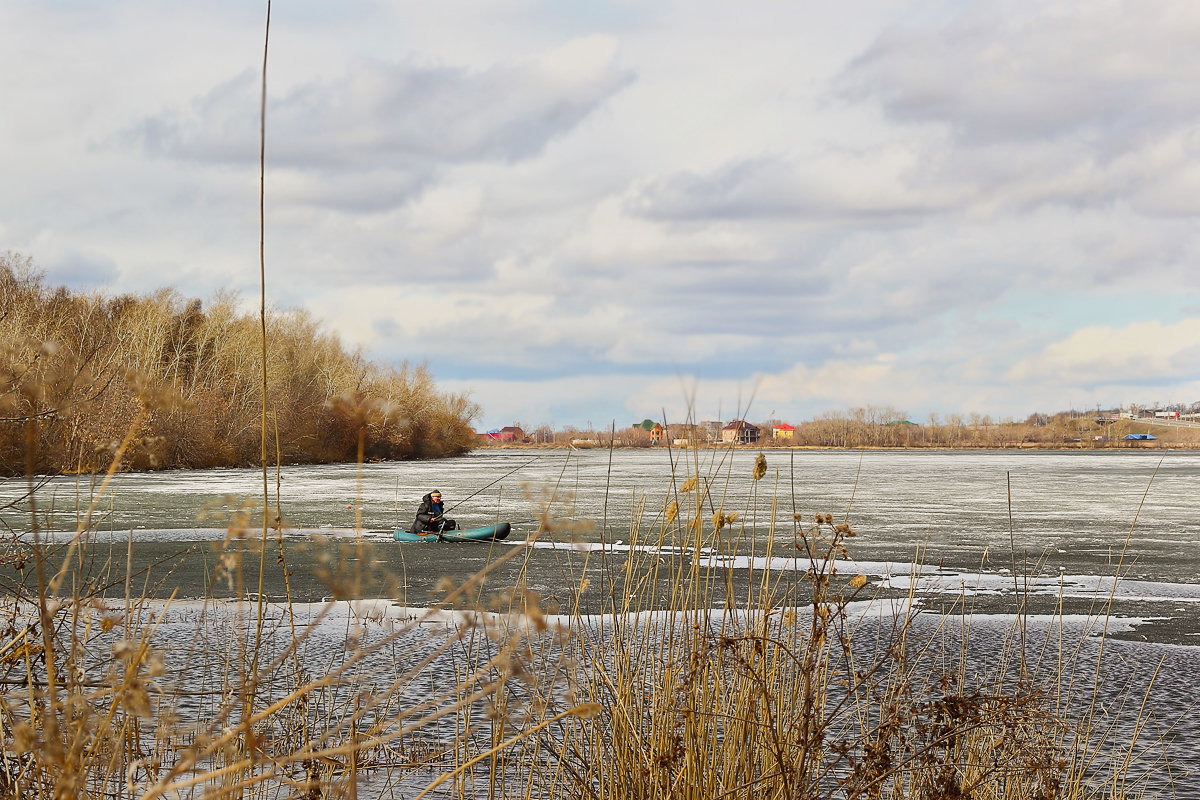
[(490, 485)]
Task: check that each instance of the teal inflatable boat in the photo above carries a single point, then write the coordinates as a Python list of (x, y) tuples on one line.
[(489, 534)]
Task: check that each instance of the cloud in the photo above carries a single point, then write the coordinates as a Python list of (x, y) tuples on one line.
[(611, 235), (1146, 353), (1009, 72), (997, 108), (598, 398), (398, 117), (790, 392), (832, 185), (82, 270)]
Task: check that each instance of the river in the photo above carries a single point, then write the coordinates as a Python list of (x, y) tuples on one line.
[(1069, 521), (1066, 533)]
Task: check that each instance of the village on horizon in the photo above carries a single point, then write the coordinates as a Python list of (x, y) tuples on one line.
[(1176, 425)]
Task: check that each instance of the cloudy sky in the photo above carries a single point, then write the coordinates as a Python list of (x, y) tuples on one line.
[(583, 212)]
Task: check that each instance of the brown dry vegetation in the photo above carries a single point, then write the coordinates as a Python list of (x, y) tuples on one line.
[(868, 427), (183, 379), (682, 687), (885, 427)]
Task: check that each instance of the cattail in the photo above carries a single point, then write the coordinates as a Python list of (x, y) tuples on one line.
[(689, 484), (760, 467), (586, 710)]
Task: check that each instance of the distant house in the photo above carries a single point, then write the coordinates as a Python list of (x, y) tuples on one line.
[(739, 431), (655, 429), (783, 431), (509, 434), (685, 434), (1141, 437)]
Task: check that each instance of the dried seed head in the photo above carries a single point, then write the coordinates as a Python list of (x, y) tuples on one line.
[(586, 710), (689, 484), (672, 512), (137, 700), (760, 467), (24, 737)]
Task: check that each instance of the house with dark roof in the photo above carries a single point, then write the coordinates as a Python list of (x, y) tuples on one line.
[(740, 432)]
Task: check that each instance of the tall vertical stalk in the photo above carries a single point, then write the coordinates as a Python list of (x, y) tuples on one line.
[(252, 682), (262, 284)]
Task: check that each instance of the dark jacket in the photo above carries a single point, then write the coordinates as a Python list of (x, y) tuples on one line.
[(425, 514)]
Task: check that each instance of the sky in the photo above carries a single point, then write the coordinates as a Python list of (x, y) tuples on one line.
[(587, 213)]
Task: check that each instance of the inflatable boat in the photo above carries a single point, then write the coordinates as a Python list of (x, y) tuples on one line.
[(489, 534)]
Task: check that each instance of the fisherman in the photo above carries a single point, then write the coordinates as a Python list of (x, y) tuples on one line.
[(430, 517)]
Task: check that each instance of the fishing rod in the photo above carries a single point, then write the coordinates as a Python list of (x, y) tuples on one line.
[(490, 485)]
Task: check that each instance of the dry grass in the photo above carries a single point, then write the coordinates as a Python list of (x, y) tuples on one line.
[(688, 684), (787, 693)]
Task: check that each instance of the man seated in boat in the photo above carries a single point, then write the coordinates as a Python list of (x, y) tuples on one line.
[(430, 516)]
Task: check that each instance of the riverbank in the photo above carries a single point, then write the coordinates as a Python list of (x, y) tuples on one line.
[(862, 429), (1126, 445)]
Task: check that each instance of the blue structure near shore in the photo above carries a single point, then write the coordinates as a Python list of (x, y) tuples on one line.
[(1141, 437)]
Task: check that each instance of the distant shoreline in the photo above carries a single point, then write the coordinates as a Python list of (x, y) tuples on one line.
[(1069, 446)]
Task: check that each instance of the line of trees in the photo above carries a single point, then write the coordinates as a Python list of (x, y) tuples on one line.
[(884, 426), (79, 372)]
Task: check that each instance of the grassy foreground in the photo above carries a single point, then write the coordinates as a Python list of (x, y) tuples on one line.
[(793, 686)]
